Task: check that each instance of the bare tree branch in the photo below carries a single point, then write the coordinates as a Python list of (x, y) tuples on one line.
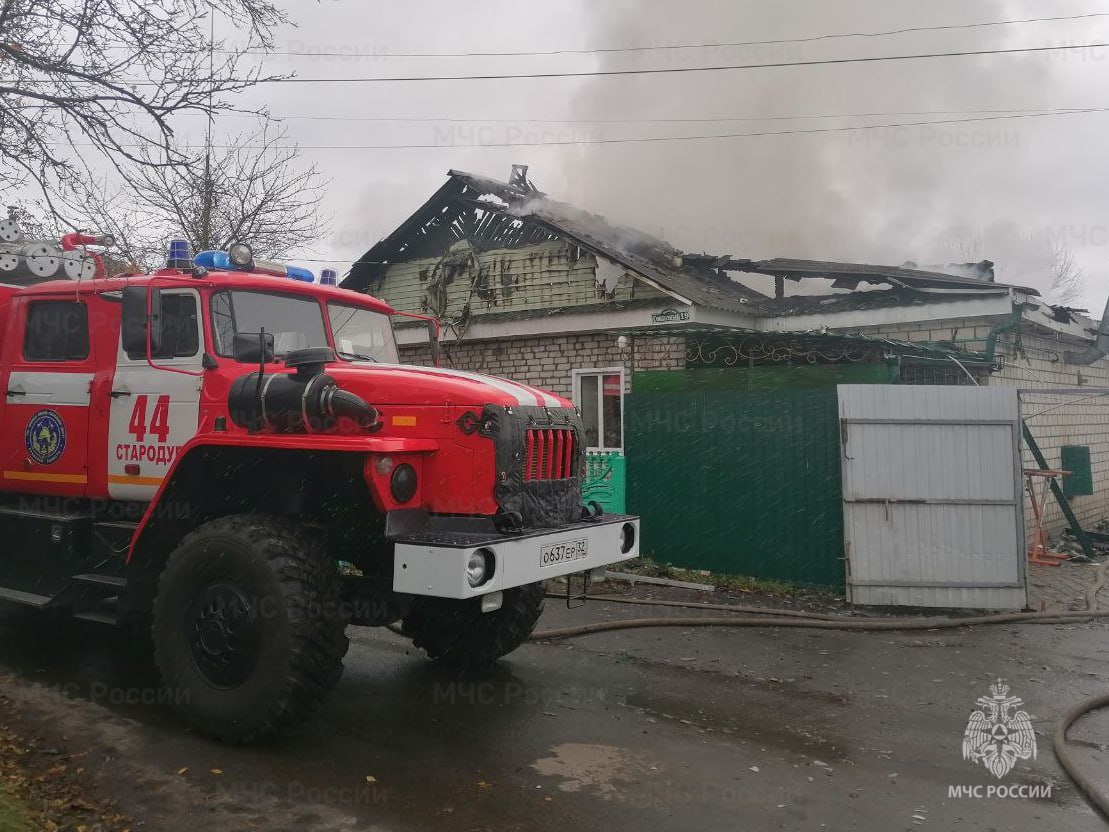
[(113, 74), (257, 193), (1067, 280), (35, 220)]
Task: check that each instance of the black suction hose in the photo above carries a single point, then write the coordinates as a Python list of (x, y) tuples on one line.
[(344, 403), (1059, 743)]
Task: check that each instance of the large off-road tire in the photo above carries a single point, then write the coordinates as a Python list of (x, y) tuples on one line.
[(459, 634), (248, 630)]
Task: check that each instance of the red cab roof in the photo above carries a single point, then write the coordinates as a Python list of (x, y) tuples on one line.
[(213, 280)]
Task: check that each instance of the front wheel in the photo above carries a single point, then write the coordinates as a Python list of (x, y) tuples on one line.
[(248, 630), (459, 634)]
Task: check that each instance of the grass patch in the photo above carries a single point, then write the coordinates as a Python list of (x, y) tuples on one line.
[(13, 816)]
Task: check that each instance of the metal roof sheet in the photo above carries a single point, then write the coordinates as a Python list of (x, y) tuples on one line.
[(864, 272)]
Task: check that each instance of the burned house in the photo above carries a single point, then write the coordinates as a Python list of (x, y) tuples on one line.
[(554, 296), (538, 290)]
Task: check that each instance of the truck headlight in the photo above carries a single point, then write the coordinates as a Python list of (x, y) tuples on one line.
[(403, 484), (480, 568)]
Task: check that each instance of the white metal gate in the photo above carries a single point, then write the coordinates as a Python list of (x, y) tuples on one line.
[(933, 505)]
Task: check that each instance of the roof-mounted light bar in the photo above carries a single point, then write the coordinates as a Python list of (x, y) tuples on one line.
[(239, 257)]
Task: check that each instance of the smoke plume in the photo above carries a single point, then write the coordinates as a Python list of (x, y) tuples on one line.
[(932, 193)]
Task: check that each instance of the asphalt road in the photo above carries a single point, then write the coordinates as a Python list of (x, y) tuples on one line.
[(648, 729)]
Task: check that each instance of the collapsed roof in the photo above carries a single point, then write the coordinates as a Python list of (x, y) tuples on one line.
[(492, 214)]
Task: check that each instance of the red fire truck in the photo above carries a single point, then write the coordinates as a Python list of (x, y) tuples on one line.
[(237, 461)]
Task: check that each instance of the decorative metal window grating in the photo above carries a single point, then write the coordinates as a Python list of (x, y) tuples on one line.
[(755, 350)]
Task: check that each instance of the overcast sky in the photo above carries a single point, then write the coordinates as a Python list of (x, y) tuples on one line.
[(1004, 190)]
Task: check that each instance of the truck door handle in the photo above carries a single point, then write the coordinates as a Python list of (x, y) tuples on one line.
[(119, 394), (16, 392)]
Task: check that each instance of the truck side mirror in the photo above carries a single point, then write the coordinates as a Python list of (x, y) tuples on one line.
[(135, 322), (247, 347)]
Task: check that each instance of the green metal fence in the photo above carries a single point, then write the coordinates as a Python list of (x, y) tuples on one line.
[(738, 481), (606, 481)]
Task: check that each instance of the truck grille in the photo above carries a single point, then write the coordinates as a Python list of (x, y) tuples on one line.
[(549, 454)]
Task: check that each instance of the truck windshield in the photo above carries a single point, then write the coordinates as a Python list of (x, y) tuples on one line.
[(362, 334), (295, 322)]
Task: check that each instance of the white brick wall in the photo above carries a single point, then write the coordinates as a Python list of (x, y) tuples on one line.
[(1036, 361), (547, 362), (968, 333)]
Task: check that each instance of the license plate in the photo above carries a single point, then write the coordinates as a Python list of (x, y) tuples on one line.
[(556, 553)]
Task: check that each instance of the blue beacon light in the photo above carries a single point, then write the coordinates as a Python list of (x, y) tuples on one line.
[(179, 256), (211, 259)]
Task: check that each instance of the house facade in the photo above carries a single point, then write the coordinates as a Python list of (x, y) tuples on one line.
[(540, 291)]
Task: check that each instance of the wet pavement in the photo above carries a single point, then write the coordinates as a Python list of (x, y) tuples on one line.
[(646, 729)]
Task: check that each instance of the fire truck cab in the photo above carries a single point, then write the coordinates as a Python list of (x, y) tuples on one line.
[(232, 457)]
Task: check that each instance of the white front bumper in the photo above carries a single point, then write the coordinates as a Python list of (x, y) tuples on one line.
[(440, 570)]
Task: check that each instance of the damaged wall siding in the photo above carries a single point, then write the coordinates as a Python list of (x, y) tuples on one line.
[(543, 276), (1035, 360), (547, 362)]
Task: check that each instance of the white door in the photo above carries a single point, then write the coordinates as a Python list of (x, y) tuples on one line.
[(156, 409), (933, 506)]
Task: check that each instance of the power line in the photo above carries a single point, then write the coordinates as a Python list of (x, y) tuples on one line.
[(707, 137), (624, 72), (601, 73), (682, 120), (675, 46), (645, 120), (648, 139)]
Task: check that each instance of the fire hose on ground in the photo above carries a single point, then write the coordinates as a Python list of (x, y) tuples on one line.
[(770, 617)]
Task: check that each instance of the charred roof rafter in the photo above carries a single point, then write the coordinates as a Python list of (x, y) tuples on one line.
[(850, 275), (491, 214)]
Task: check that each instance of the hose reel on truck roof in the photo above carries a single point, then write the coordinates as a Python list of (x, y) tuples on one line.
[(24, 262)]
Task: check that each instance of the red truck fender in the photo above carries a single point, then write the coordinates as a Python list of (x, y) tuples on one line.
[(276, 443)]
